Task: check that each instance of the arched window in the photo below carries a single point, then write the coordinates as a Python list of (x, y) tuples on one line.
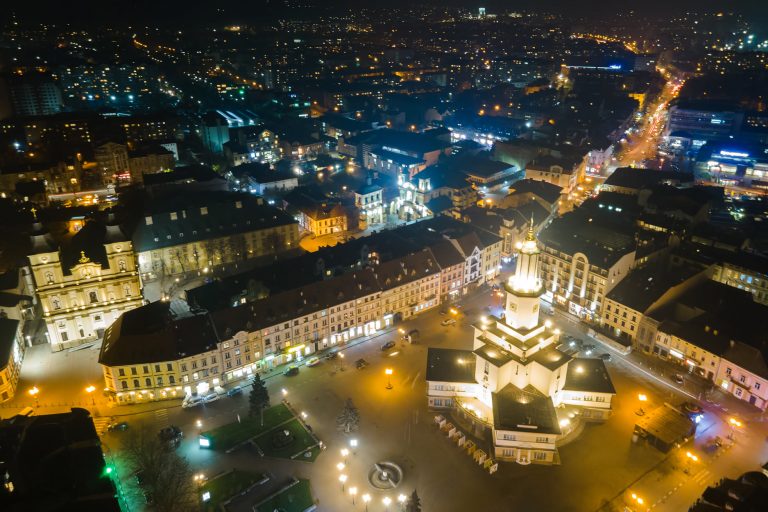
[(124, 385)]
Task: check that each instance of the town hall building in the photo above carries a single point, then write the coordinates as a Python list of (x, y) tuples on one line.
[(515, 389)]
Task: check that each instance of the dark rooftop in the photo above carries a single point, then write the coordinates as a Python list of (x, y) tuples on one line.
[(588, 374), (524, 410), (450, 365)]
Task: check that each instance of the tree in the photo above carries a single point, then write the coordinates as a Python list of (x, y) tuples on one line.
[(259, 398), (349, 418), (414, 503), (166, 476)]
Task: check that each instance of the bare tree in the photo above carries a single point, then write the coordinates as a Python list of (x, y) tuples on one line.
[(349, 418), (166, 477)]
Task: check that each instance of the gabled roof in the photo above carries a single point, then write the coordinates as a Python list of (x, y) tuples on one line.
[(546, 191)]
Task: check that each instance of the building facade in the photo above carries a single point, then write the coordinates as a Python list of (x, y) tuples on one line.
[(85, 285)]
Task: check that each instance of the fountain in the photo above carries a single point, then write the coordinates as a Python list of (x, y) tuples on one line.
[(385, 476)]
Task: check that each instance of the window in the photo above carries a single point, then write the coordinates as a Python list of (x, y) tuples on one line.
[(124, 385), (757, 385), (742, 379), (171, 379), (136, 383), (738, 392), (169, 367), (183, 367), (542, 439), (148, 382), (539, 455), (133, 370), (145, 369), (727, 371), (121, 372)]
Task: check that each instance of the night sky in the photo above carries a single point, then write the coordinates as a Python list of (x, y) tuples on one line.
[(171, 11)]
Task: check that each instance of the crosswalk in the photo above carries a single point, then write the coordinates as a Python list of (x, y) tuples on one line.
[(160, 419), (702, 477), (101, 422)]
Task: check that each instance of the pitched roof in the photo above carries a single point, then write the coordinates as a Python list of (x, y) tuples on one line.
[(548, 192), (634, 178)]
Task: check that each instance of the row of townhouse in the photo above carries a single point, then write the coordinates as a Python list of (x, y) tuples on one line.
[(164, 350), (682, 314)]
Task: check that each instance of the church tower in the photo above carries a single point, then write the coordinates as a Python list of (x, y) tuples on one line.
[(525, 287)]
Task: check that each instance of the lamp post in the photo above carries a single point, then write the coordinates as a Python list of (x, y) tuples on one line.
[(90, 390), (353, 492), (388, 372), (344, 453), (343, 480), (734, 424), (401, 499), (386, 501), (33, 392), (341, 362), (366, 500)]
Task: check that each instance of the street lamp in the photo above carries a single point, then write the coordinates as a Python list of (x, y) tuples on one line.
[(344, 453), (343, 480), (642, 397), (388, 372), (90, 390), (387, 501), (33, 392), (340, 466), (353, 492), (401, 499), (366, 500), (284, 391), (341, 361)]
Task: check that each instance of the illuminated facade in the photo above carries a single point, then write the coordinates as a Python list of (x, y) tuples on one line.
[(84, 286), (518, 376)]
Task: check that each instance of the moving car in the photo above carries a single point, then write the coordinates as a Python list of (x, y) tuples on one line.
[(448, 321), (291, 371), (117, 426), (678, 379), (605, 357), (388, 345), (234, 392), (332, 355), (171, 435), (313, 361)]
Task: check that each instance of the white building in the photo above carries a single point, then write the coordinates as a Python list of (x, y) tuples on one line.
[(84, 285), (508, 385)]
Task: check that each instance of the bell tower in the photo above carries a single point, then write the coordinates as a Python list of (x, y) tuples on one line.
[(524, 288)]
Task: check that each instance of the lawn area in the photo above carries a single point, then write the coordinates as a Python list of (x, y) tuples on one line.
[(296, 498), (232, 434), (300, 441), (226, 486)]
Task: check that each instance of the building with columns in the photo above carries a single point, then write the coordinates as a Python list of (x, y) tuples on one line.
[(83, 284), (507, 387)]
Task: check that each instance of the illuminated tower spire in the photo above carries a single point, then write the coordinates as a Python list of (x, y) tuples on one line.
[(525, 287)]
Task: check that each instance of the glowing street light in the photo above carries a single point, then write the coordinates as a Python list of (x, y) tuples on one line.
[(353, 443), (33, 392), (90, 389), (386, 501), (353, 492), (284, 391), (734, 422), (388, 372), (344, 453), (343, 480), (642, 397), (340, 466), (401, 499), (692, 457), (366, 500)]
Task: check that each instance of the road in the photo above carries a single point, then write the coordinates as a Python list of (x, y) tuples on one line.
[(641, 146)]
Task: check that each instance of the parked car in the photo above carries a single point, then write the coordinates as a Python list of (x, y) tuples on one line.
[(414, 334), (388, 345), (678, 379), (447, 322), (605, 357), (121, 426), (211, 397), (235, 392), (313, 361), (192, 401), (332, 355), (361, 363), (291, 371)]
